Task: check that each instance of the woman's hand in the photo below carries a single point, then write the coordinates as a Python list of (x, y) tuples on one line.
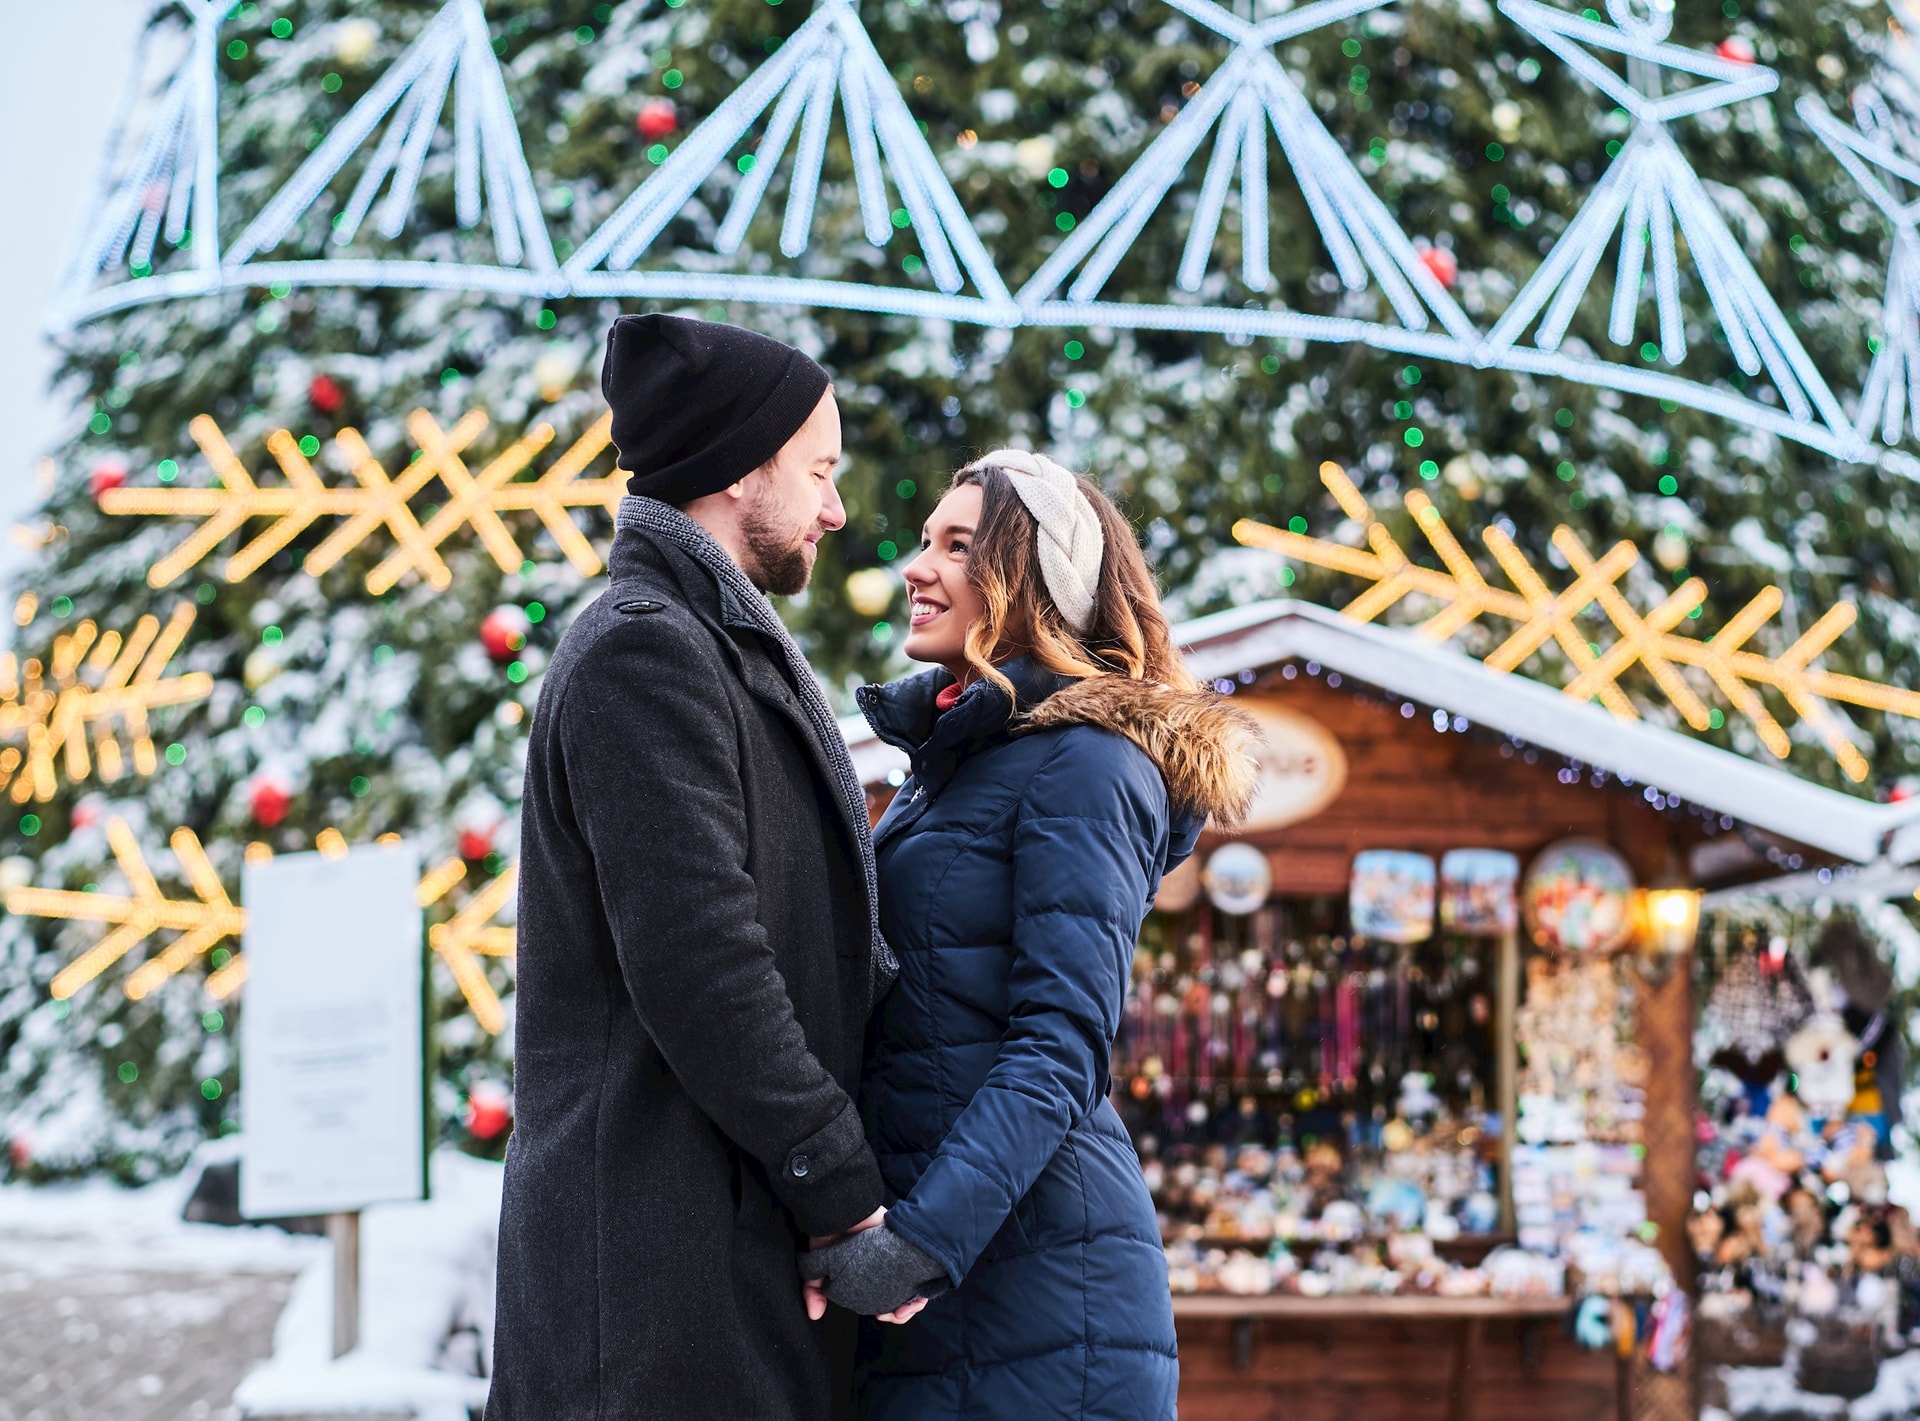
[(904, 1314), (873, 1272), (814, 1290)]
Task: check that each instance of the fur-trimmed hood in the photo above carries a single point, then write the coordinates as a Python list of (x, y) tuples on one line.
[(1204, 747)]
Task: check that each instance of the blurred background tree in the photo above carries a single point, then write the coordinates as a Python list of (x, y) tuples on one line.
[(406, 712)]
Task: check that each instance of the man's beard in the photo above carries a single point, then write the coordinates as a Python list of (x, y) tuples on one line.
[(777, 561)]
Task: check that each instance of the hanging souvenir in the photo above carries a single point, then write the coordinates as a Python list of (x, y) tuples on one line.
[(1478, 891), (1578, 897), (1821, 1055), (1237, 878), (1391, 897), (1752, 1012)]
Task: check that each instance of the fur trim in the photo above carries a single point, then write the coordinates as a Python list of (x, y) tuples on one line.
[(1207, 750)]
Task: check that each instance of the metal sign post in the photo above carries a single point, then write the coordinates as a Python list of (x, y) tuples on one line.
[(343, 1231)]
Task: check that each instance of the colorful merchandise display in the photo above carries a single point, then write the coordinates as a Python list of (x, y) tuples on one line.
[(1801, 1255), (1317, 1107)]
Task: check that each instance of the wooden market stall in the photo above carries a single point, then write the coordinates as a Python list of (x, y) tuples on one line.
[(1381, 742)]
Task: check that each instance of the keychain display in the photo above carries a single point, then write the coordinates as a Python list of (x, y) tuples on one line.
[(1312, 1094)]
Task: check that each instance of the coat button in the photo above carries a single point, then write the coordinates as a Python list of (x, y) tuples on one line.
[(641, 605), (799, 1165)]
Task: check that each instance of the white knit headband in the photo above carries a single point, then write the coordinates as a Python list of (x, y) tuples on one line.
[(1070, 541)]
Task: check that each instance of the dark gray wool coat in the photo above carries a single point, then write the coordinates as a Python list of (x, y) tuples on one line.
[(693, 985)]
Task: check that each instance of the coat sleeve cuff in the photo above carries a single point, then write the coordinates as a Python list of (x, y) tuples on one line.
[(830, 1181)]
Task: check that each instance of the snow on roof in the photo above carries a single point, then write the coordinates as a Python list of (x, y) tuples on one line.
[(1265, 634)]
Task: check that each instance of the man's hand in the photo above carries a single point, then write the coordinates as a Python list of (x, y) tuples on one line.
[(904, 1314), (815, 1290)]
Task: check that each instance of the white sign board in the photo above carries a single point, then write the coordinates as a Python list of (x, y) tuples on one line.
[(1302, 767), (331, 1034)]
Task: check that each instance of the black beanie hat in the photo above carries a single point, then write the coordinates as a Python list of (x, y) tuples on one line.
[(698, 406)]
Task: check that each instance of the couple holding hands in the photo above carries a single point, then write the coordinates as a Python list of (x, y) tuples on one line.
[(812, 1118)]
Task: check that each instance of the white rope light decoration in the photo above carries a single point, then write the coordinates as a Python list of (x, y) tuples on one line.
[(1648, 194)]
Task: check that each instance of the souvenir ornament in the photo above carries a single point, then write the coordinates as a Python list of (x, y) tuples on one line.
[(1821, 1056), (1479, 891), (1238, 878), (1391, 896), (1578, 897)]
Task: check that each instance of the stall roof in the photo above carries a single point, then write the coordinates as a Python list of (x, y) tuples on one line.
[(1269, 633)]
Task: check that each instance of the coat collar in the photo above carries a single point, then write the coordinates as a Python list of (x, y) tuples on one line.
[(636, 553), (903, 714), (638, 556)]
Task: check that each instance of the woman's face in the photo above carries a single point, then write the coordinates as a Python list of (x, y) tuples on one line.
[(944, 604)]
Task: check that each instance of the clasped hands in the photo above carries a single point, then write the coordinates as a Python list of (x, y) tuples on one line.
[(870, 1270)]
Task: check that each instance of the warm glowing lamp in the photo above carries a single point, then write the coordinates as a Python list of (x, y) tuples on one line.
[(1670, 919)]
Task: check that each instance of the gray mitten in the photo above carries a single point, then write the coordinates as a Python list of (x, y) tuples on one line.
[(874, 1271)]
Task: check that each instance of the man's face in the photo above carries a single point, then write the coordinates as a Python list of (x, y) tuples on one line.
[(792, 503)]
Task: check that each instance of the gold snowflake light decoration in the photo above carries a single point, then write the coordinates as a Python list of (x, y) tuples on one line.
[(70, 712), (377, 503), (1539, 613), (205, 920)]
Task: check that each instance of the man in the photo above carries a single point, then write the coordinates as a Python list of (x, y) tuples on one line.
[(698, 939)]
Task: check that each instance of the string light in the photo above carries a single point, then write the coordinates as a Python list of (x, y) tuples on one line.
[(380, 502), (95, 684), (208, 919), (1542, 614), (1891, 398), (1648, 187)]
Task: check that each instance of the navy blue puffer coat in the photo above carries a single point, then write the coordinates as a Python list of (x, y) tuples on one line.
[(1016, 865)]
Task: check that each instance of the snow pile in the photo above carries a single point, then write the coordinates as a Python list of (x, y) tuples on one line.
[(64, 1230), (426, 1311), (1757, 1393)]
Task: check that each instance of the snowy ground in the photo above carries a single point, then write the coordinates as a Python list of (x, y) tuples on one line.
[(111, 1309), (1760, 1393)]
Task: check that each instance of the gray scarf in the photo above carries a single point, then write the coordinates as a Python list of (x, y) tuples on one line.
[(663, 520)]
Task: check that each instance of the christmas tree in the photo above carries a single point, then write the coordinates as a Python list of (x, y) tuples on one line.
[(379, 683)]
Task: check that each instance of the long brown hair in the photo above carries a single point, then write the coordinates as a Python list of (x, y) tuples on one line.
[(1128, 635)]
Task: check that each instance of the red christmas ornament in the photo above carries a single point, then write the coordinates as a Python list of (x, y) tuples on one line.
[(476, 843), (657, 119), (1444, 265), (1737, 49), (325, 394), (268, 801), (20, 1151), (503, 632), (489, 1111), (86, 813), (110, 472)]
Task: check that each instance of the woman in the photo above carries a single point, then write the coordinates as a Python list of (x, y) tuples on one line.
[(1062, 762)]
